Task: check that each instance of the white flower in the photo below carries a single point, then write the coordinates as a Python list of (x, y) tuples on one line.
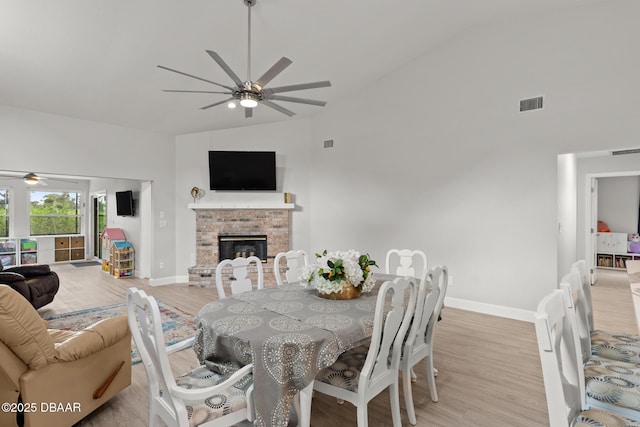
[(313, 274), (307, 271), (369, 283)]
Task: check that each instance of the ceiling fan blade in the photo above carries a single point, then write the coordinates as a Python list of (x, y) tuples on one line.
[(216, 103), (248, 113), (225, 67), (276, 69), (194, 77), (278, 108), (303, 86), (61, 180), (298, 100), (196, 91)]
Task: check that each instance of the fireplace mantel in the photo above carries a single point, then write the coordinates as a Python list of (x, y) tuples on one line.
[(242, 205)]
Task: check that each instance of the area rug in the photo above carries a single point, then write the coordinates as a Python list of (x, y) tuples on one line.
[(177, 325), (85, 263)]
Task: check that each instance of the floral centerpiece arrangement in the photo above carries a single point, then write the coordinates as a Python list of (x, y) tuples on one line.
[(340, 274)]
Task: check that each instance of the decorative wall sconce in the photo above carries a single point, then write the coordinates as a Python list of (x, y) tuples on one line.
[(196, 193)]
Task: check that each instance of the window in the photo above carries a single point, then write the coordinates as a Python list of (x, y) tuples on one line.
[(55, 213), (4, 212)]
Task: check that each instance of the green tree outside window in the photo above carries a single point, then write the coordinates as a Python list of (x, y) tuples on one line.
[(4, 212), (55, 213)]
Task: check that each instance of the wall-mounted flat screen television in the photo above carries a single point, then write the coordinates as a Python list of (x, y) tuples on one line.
[(242, 170), (124, 203)]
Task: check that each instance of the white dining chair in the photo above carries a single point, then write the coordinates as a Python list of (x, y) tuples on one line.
[(561, 372), (360, 374), (295, 260), (239, 281), (615, 345), (609, 384), (419, 343), (575, 300), (406, 262), (199, 397), (580, 267)]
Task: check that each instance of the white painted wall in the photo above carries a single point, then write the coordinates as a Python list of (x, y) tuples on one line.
[(455, 170), (290, 141), (618, 199), (46, 143), (567, 211)]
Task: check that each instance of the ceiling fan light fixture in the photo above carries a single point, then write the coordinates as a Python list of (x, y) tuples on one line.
[(248, 100), (31, 179), (231, 105)]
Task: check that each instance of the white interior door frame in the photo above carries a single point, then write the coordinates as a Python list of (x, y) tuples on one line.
[(591, 222), (146, 230), (91, 224)]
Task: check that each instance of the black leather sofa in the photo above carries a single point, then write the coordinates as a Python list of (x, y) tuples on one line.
[(37, 283)]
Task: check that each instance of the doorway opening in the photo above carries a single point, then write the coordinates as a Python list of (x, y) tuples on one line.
[(613, 218), (99, 221), (578, 175)]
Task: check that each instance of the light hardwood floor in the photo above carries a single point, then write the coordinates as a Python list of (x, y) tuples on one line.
[(489, 369), (613, 308)]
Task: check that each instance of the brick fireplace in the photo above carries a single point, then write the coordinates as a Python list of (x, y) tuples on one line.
[(215, 221)]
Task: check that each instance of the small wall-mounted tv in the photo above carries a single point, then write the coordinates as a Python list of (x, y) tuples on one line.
[(124, 203), (242, 170)]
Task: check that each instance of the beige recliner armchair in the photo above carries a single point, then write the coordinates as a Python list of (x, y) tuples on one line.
[(57, 377)]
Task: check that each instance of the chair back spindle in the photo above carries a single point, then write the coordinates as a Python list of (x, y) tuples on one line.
[(240, 282), (295, 260), (406, 262)]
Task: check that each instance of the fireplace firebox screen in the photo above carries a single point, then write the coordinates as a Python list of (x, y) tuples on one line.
[(236, 246)]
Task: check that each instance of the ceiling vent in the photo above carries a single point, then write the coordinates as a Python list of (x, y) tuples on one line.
[(531, 104), (622, 152)]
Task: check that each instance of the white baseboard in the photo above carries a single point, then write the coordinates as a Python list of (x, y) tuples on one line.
[(494, 310), (165, 281)]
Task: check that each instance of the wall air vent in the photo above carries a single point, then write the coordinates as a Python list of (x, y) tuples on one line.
[(621, 152), (531, 104), (328, 143)]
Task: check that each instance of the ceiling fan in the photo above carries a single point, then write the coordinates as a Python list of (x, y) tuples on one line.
[(250, 93), (33, 179)]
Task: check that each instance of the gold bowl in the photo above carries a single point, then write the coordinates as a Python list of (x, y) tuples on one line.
[(348, 292)]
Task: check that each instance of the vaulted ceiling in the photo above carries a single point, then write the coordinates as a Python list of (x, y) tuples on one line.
[(96, 60)]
